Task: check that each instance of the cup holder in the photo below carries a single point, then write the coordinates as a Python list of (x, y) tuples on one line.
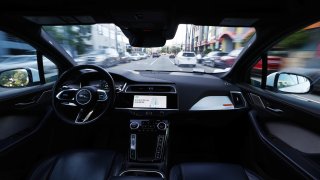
[(144, 173)]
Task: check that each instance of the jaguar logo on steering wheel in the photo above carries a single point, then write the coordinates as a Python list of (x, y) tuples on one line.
[(83, 96)]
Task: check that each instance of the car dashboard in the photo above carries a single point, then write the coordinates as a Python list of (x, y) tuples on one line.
[(156, 93)]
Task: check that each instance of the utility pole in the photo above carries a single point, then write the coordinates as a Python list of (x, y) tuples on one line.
[(186, 40), (116, 37), (192, 38)]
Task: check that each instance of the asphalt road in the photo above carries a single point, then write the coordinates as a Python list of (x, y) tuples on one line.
[(162, 63)]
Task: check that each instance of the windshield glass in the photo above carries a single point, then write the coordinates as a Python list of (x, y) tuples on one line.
[(105, 45)]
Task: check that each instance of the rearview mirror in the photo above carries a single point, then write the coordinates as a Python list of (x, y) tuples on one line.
[(288, 83), (14, 78)]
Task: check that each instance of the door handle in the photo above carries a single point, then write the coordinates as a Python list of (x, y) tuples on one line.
[(274, 110)]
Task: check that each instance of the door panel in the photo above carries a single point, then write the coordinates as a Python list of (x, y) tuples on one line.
[(21, 115), (23, 138), (283, 133)]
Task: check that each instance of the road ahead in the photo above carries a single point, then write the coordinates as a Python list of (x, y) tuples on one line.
[(163, 63)]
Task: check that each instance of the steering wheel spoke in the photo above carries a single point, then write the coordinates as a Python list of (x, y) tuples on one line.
[(66, 94), (102, 95), (83, 115)]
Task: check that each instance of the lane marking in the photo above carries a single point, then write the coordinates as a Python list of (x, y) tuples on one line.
[(154, 61), (171, 61)]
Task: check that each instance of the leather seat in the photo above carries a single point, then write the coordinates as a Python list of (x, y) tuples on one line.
[(80, 165), (208, 171)]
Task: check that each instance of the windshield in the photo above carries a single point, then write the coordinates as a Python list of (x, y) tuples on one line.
[(105, 45)]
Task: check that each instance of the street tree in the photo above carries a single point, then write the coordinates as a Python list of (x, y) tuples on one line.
[(71, 37)]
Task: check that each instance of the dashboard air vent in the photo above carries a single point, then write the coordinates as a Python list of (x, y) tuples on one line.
[(238, 99)]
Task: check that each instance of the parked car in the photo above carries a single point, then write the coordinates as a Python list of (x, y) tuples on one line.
[(103, 57), (199, 58), (143, 55), (155, 55), (126, 58), (185, 58), (228, 60), (136, 56), (274, 62), (208, 60)]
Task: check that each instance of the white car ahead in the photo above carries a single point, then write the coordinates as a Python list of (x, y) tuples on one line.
[(186, 58)]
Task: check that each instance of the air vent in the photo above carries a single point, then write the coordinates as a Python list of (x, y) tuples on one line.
[(151, 88), (238, 99)]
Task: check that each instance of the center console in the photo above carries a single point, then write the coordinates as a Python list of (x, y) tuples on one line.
[(147, 153), (148, 140), (149, 106)]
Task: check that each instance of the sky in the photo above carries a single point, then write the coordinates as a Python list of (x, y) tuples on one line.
[(179, 37)]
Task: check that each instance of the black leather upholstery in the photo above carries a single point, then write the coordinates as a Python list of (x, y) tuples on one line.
[(208, 171), (79, 165)]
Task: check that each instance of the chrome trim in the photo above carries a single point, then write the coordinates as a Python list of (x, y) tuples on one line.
[(134, 122), (87, 101), (141, 170), (85, 119), (124, 86), (244, 100), (165, 126), (174, 88), (59, 93), (133, 142), (146, 109), (69, 104), (105, 93)]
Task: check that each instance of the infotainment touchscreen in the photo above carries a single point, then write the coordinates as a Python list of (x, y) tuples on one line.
[(149, 101)]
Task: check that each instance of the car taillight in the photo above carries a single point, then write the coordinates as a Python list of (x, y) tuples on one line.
[(229, 62)]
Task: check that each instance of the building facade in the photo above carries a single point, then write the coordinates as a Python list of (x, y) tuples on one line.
[(107, 36), (218, 38)]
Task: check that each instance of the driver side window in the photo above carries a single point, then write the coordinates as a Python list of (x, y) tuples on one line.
[(19, 64)]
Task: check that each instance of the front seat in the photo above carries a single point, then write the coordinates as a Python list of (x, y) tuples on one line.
[(208, 171), (79, 165)]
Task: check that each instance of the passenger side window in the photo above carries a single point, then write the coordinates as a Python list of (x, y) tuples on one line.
[(19, 64), (293, 65)]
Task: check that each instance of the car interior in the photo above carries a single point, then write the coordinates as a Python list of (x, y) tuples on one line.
[(63, 119)]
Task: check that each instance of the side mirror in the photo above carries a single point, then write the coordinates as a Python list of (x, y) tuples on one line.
[(17, 78), (288, 83)]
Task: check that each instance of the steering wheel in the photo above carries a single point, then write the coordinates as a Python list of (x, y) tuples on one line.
[(85, 104)]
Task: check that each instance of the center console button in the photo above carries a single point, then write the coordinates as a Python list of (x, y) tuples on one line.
[(134, 125), (162, 126)]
